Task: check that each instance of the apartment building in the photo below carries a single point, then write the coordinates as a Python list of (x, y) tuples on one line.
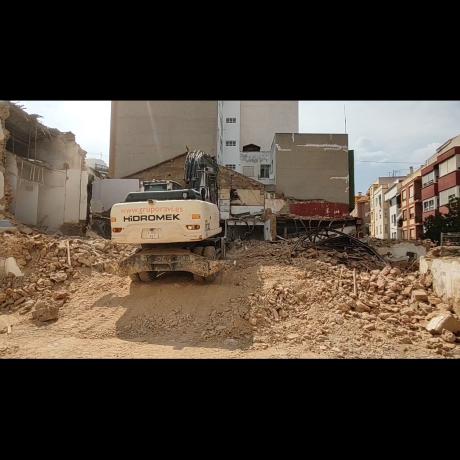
[(362, 211), (441, 178), (147, 133), (393, 198), (380, 209), (411, 206)]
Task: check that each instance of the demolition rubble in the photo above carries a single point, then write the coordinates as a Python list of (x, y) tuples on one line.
[(305, 300), (45, 267)]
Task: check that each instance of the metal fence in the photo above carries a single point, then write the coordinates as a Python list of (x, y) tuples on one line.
[(450, 239)]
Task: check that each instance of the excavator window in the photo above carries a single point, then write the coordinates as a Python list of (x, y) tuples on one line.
[(164, 195)]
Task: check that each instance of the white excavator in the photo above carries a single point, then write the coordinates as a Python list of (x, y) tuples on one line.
[(176, 229)]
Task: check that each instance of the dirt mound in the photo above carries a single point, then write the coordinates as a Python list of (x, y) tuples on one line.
[(44, 260)]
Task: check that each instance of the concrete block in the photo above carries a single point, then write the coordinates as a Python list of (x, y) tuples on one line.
[(443, 321), (10, 267)]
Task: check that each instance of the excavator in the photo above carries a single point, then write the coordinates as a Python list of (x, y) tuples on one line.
[(177, 229)]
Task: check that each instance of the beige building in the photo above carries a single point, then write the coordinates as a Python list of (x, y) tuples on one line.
[(380, 209), (261, 120), (314, 167), (146, 133)]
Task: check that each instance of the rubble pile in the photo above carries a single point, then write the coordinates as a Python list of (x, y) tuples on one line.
[(48, 277), (374, 307), (355, 259)]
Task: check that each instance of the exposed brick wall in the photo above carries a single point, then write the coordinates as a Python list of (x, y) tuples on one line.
[(169, 170), (174, 170), (231, 179)]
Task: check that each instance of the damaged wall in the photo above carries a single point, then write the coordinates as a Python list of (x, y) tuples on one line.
[(44, 197), (313, 167), (45, 172), (168, 170), (248, 194), (446, 275), (4, 112)]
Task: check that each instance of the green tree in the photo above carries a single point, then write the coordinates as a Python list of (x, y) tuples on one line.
[(437, 224)]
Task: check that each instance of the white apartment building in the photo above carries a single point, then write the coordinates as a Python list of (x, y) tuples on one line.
[(380, 209), (246, 130), (392, 197)]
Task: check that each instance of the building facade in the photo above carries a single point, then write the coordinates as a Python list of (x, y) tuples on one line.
[(44, 171), (411, 207), (441, 179), (246, 132), (314, 167), (146, 133), (393, 198), (362, 211), (380, 209)]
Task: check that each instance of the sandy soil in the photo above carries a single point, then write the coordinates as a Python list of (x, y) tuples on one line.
[(174, 317)]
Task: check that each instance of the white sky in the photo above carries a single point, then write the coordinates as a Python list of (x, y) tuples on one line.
[(396, 131)]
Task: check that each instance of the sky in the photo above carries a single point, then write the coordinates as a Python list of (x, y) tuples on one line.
[(387, 136)]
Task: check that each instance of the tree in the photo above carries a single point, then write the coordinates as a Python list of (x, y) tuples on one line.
[(439, 223)]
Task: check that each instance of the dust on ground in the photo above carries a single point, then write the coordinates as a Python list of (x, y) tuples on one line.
[(266, 304)]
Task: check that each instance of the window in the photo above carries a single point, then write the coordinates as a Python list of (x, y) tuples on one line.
[(412, 234), (265, 171), (230, 143), (404, 215), (404, 195), (429, 205), (412, 212), (411, 191), (428, 179), (251, 148), (380, 200), (231, 120), (248, 171), (445, 195), (393, 219), (448, 166), (231, 167)]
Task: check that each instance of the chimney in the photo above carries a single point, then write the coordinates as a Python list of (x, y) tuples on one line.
[(411, 169)]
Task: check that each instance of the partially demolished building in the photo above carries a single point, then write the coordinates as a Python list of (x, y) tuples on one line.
[(43, 177)]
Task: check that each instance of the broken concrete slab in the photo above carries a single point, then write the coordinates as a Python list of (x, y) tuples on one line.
[(446, 274), (443, 321), (9, 266)]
